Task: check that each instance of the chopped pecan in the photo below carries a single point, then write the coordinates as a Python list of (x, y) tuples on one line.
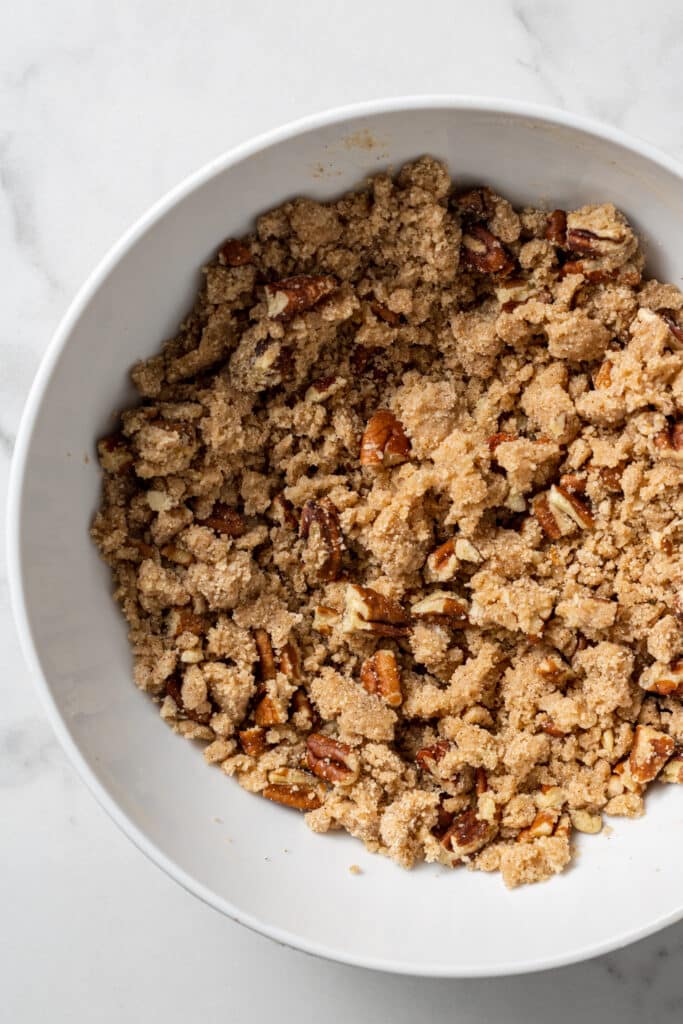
[(556, 231), (585, 242), (441, 607), (290, 663), (269, 712), (183, 620), (386, 314), (443, 561), (323, 388), (114, 454), (294, 788), (603, 378), (501, 438), (672, 324), (665, 680), (546, 519), (321, 518), (468, 833), (482, 251), (550, 729), (568, 502), (303, 709), (573, 483), (554, 668), (673, 770), (297, 294), (429, 757), (282, 511), (669, 442), (384, 442), (266, 658), (225, 520), (379, 674), (481, 783), (331, 760), (367, 611), (611, 478), (177, 554), (324, 619), (475, 203), (584, 821), (234, 253), (542, 825), (173, 690), (650, 751), (253, 741)]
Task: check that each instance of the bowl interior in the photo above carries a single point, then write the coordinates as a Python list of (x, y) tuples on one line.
[(254, 860)]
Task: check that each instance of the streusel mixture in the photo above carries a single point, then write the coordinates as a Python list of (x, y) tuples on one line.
[(396, 525)]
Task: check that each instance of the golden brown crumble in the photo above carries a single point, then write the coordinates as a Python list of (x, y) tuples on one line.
[(395, 524)]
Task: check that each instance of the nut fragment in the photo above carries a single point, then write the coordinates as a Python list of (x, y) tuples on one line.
[(546, 519), (588, 243), (290, 663), (673, 326), (443, 562), (650, 751), (379, 674), (603, 378), (367, 611), (386, 314), (173, 690), (466, 551), (174, 553), (475, 203), (320, 522), (482, 251), (224, 520), (468, 833), (182, 620), (322, 389), (669, 443), (234, 253), (556, 231), (331, 760), (266, 658), (441, 607), (665, 680), (502, 437), (253, 741), (384, 442), (554, 668), (282, 511), (294, 789), (325, 619), (297, 294), (542, 825), (114, 455), (673, 770), (562, 500), (429, 757), (584, 821)]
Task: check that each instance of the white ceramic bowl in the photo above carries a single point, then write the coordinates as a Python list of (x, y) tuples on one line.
[(274, 875)]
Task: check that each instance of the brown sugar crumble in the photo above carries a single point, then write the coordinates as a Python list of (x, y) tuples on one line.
[(395, 523)]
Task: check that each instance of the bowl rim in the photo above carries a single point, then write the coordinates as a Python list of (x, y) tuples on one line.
[(457, 102)]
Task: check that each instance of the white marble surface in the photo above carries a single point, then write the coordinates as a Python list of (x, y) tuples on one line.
[(102, 108)]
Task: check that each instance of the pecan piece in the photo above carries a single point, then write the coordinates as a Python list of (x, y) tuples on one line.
[(225, 520), (367, 611), (482, 251), (114, 455), (546, 519), (294, 789), (669, 442), (441, 607), (323, 388), (542, 825), (468, 834), (379, 674), (384, 442), (673, 770), (585, 242), (671, 323), (550, 729), (603, 378), (650, 751), (234, 253), (568, 502), (325, 619), (173, 690), (304, 710), (474, 203), (183, 620), (429, 757), (331, 760), (320, 522), (501, 438), (253, 741), (386, 314), (443, 561), (282, 511), (556, 231), (266, 658), (297, 294), (667, 681), (290, 663)]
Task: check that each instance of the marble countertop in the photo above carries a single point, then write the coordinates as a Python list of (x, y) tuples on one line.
[(103, 107)]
